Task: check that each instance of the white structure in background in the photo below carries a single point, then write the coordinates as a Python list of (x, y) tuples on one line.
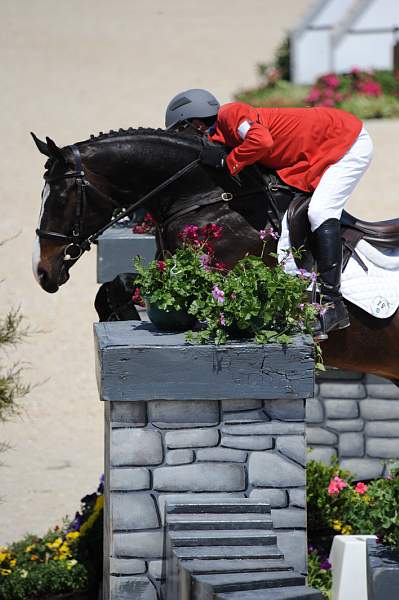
[(336, 35)]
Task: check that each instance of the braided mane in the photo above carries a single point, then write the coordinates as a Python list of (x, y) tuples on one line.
[(187, 135)]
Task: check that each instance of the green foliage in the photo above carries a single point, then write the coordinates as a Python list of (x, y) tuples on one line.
[(282, 94), (367, 107), (12, 387), (282, 58), (66, 559), (251, 300), (319, 576), (352, 509), (388, 81)]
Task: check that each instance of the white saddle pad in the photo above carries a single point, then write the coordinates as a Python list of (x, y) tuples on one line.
[(376, 290)]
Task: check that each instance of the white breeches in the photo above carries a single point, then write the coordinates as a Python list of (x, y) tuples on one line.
[(339, 181)]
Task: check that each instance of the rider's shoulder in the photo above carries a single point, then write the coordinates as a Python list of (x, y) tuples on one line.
[(235, 109)]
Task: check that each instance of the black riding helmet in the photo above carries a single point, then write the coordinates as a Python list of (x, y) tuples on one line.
[(191, 104)]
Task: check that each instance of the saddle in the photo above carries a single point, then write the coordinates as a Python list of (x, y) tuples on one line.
[(383, 234)]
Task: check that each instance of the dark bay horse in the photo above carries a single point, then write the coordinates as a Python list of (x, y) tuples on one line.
[(120, 167)]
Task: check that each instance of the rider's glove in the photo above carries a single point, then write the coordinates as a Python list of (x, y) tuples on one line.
[(213, 155)]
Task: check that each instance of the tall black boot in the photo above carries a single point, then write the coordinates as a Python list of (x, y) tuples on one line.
[(327, 247)]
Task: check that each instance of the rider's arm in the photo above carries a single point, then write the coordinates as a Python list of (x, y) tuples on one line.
[(256, 142)]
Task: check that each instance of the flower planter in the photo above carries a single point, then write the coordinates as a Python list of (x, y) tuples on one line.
[(382, 571), (170, 320)]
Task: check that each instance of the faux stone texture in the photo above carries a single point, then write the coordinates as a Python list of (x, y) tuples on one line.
[(192, 438), (176, 498), (183, 456), (133, 511), (378, 410), (127, 566), (123, 480), (220, 455), (351, 444), (200, 477), (384, 448), (247, 416), (341, 409), (293, 545), (314, 411), (270, 428), (128, 413), (345, 425), (269, 469), (138, 544), (285, 410), (363, 468), (155, 569), (322, 454), (382, 429), (247, 442), (136, 447), (318, 435), (243, 404), (289, 518), (170, 414), (377, 387), (276, 498), (344, 390), (127, 588), (298, 497), (292, 446)]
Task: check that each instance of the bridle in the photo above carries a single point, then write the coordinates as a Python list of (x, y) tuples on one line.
[(79, 243)]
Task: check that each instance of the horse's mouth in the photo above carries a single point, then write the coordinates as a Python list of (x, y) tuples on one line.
[(63, 275)]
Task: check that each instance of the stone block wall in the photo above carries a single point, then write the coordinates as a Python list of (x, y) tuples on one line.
[(198, 449), (354, 417)]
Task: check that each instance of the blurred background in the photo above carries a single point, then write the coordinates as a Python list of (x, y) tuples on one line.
[(72, 69)]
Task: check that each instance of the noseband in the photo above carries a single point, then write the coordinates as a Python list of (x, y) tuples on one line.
[(79, 243)]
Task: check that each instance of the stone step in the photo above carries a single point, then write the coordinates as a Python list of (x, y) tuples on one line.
[(288, 593), (217, 521), (233, 552), (224, 505), (218, 537), (250, 581), (230, 566)]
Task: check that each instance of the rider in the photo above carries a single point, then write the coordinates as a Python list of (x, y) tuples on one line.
[(320, 150)]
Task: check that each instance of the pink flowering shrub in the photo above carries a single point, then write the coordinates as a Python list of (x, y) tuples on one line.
[(339, 505)]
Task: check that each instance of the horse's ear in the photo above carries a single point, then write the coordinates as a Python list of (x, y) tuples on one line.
[(53, 149), (41, 146)]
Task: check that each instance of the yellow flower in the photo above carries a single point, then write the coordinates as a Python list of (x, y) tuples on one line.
[(13, 562), (23, 574), (346, 530), (29, 548), (337, 525), (34, 557), (71, 564), (54, 545), (73, 535), (4, 556), (5, 572)]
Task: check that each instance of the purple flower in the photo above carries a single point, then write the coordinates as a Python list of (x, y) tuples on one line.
[(222, 319), (262, 234), (204, 260), (304, 274), (76, 523), (268, 232), (325, 565), (218, 294), (313, 277), (301, 306)]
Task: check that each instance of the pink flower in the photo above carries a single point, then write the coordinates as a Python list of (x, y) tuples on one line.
[(314, 95), (328, 102), (205, 260), (161, 265), (336, 485), (136, 298), (331, 80), (268, 232), (370, 88), (220, 266), (361, 488), (222, 319), (262, 234), (218, 294)]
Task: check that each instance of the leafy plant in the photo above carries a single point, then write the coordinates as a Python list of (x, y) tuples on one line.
[(319, 572), (251, 300), (65, 559)]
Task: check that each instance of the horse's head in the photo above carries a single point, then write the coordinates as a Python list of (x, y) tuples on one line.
[(63, 216)]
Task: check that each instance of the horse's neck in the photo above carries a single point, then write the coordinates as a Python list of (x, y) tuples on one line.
[(130, 167)]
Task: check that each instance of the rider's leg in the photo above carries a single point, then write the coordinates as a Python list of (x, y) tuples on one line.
[(325, 208)]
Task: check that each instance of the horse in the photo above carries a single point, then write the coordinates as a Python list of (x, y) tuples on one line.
[(87, 181)]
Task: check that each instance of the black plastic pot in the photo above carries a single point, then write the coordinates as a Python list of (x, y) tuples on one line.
[(169, 320), (382, 572)]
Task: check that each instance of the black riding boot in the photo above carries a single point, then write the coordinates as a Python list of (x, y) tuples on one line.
[(327, 247)]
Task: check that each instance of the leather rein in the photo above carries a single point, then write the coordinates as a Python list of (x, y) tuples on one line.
[(79, 243)]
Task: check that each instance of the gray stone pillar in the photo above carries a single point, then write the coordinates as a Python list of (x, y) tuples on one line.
[(196, 422)]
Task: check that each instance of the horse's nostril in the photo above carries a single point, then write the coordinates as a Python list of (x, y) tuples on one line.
[(42, 275)]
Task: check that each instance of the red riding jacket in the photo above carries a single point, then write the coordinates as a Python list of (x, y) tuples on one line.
[(299, 143)]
